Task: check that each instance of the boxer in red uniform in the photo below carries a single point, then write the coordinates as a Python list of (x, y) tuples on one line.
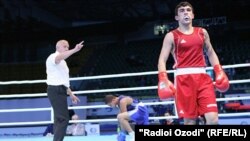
[(194, 90)]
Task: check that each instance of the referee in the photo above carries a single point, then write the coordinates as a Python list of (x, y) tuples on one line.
[(59, 86)]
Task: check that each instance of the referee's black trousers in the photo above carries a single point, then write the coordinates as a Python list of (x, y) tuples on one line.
[(58, 99)]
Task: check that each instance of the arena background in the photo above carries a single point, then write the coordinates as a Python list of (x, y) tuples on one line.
[(121, 36)]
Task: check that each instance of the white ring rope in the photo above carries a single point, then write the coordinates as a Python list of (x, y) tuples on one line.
[(105, 90), (109, 90), (115, 75), (112, 120), (107, 76), (105, 106)]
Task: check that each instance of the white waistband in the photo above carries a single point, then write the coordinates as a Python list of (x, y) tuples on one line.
[(182, 71)]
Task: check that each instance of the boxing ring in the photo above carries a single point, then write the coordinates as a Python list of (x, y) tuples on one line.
[(110, 137)]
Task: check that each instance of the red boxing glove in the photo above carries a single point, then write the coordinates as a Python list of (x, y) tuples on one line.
[(166, 88), (221, 79)]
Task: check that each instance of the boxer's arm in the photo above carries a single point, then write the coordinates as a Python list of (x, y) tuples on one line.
[(167, 46), (165, 87), (123, 104), (221, 79), (212, 56)]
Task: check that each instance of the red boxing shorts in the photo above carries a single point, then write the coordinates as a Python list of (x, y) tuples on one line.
[(195, 93)]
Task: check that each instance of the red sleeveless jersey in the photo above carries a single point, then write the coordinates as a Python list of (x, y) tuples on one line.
[(189, 48)]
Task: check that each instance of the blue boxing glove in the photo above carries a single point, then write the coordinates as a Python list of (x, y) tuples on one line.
[(121, 136)]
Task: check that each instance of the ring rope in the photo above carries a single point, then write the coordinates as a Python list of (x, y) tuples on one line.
[(115, 75), (105, 90), (113, 119), (106, 106)]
